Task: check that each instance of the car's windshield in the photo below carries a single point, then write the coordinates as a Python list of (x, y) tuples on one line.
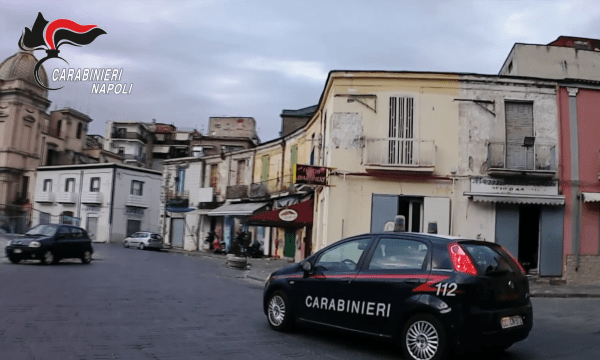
[(45, 230)]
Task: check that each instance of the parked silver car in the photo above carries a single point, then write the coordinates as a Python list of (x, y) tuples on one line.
[(144, 240)]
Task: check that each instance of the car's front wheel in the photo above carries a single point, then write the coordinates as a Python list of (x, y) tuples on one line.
[(86, 258), (141, 246), (48, 258), (279, 311), (424, 338), (125, 244)]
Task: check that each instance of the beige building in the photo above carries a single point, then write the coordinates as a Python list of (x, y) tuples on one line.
[(564, 58), (31, 137)]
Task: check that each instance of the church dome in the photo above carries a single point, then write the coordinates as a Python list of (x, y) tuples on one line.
[(20, 66)]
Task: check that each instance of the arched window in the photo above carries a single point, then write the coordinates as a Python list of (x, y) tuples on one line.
[(79, 130), (67, 218)]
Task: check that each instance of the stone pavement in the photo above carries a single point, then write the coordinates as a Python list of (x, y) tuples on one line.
[(259, 269)]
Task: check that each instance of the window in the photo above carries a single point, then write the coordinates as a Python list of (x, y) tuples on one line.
[(24, 187), (47, 185), (64, 232), (401, 131), (343, 257), (70, 185), (180, 180), (397, 254), (79, 130), (77, 233), (137, 187), (121, 151), (241, 169), (67, 218), (214, 175), (58, 128), (294, 157), (44, 218), (95, 184), (519, 125), (265, 168)]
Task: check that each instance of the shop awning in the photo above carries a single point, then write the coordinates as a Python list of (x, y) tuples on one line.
[(245, 209), (179, 209), (518, 199), (296, 215), (591, 197)]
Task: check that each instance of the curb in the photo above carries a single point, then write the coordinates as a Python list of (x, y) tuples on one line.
[(570, 295)]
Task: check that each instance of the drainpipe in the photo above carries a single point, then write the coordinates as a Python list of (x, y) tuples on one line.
[(575, 184), (112, 202), (79, 198), (282, 160)]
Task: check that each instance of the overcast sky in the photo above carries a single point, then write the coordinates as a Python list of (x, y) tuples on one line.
[(189, 60)]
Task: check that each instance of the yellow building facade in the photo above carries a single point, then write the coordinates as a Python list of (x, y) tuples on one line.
[(391, 142)]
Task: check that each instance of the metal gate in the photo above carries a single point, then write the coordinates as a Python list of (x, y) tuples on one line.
[(384, 209), (133, 226), (507, 227), (177, 232)]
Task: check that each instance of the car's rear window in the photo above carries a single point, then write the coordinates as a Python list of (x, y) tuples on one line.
[(490, 259)]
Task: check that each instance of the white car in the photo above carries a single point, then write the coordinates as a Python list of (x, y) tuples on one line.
[(144, 240)]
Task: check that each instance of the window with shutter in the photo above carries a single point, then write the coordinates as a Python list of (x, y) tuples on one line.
[(519, 124), (401, 131)]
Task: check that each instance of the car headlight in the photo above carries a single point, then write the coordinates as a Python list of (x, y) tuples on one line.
[(35, 244)]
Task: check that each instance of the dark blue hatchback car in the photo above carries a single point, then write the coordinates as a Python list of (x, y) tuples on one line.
[(430, 293), (50, 243)]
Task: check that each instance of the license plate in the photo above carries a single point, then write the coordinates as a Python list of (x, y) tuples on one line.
[(511, 321), (17, 251)]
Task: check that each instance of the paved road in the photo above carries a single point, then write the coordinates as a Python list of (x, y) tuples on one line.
[(131, 304)]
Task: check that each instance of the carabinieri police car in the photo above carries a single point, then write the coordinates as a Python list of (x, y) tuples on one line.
[(431, 293)]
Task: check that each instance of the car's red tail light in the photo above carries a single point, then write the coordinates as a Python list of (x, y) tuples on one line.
[(515, 260), (461, 261)]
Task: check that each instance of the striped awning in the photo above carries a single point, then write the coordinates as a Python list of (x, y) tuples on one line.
[(518, 199), (591, 197)]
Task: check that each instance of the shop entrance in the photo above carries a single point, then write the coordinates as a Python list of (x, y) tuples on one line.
[(518, 230)]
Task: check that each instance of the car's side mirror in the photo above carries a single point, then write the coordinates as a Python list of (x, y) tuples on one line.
[(307, 267)]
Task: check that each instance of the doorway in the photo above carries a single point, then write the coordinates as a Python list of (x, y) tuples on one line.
[(92, 227), (177, 232), (289, 248), (133, 226), (529, 234)]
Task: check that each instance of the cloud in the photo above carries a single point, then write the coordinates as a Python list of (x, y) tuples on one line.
[(311, 70)]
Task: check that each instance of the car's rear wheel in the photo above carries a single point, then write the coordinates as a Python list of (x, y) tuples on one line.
[(125, 244), (14, 260), (424, 338), (141, 246), (48, 258), (86, 258), (279, 311)]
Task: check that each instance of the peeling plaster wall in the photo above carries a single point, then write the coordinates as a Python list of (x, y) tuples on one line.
[(478, 127)]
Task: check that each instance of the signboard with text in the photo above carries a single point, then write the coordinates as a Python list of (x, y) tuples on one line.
[(513, 186), (313, 175)]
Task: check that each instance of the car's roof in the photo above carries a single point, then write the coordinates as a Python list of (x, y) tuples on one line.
[(433, 237)]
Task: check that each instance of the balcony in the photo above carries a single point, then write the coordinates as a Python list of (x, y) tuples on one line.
[(91, 197), (178, 198), (44, 197), (237, 192), (66, 197), (399, 154), (130, 136), (537, 160), (137, 201)]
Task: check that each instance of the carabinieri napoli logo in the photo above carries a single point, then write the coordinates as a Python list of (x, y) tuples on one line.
[(50, 36)]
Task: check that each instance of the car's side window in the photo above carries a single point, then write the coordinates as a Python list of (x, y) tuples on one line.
[(64, 232), (76, 233), (155, 236), (398, 254), (343, 257)]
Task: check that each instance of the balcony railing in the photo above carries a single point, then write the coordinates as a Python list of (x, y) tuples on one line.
[(88, 197), (130, 135), (400, 152), (538, 157), (271, 186), (137, 201), (44, 197), (66, 197), (237, 192)]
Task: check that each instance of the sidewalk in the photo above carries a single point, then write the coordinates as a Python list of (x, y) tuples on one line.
[(259, 269)]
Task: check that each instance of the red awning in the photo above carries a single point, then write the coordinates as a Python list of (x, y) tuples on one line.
[(297, 215)]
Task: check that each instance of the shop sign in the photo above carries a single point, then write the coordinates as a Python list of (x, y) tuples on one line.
[(92, 208), (134, 211), (313, 175), (513, 186), (288, 215)]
